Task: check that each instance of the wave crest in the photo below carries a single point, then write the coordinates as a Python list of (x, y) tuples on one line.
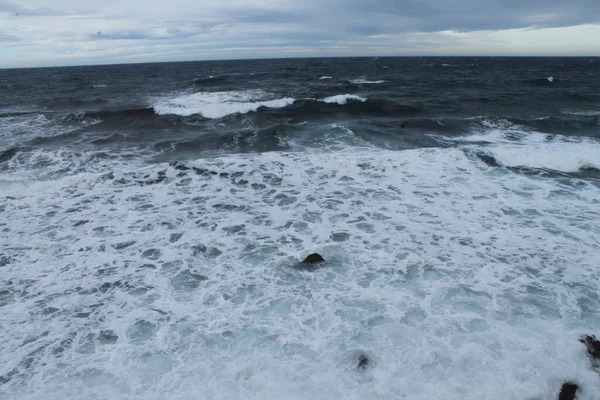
[(214, 105)]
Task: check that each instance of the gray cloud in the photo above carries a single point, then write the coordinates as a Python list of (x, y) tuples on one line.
[(147, 30), (18, 10)]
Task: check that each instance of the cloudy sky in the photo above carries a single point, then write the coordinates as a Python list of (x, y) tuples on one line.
[(67, 32)]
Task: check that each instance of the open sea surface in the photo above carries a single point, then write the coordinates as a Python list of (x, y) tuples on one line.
[(152, 218)]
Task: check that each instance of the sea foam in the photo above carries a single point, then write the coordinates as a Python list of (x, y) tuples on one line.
[(459, 279)]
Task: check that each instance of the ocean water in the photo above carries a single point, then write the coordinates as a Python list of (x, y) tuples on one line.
[(152, 218)]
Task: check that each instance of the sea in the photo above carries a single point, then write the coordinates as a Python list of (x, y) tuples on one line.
[(153, 220)]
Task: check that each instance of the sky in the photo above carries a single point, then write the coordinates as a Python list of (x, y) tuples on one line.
[(36, 33)]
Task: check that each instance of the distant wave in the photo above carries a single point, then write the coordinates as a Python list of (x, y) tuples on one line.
[(210, 80), (366, 82), (548, 81), (584, 113), (216, 105), (343, 99), (325, 77)]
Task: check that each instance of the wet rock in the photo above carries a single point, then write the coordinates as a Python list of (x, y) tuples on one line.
[(313, 259), (593, 346), (362, 362), (568, 391)]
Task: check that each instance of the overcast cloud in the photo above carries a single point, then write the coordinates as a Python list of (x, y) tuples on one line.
[(64, 32)]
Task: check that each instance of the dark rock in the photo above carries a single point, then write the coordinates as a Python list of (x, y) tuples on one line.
[(362, 362), (313, 259), (593, 346), (568, 391)]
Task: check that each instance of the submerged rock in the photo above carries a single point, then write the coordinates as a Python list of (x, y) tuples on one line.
[(313, 259), (568, 391)]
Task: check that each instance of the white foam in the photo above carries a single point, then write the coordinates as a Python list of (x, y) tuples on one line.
[(343, 99), (366, 82), (557, 155), (218, 104), (550, 79), (516, 146), (325, 77), (462, 281)]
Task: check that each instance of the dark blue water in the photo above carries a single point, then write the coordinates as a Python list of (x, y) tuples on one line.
[(413, 97)]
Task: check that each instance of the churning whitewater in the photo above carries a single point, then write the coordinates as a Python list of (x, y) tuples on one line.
[(153, 218)]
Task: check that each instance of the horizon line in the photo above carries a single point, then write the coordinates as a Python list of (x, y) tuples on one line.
[(294, 58)]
